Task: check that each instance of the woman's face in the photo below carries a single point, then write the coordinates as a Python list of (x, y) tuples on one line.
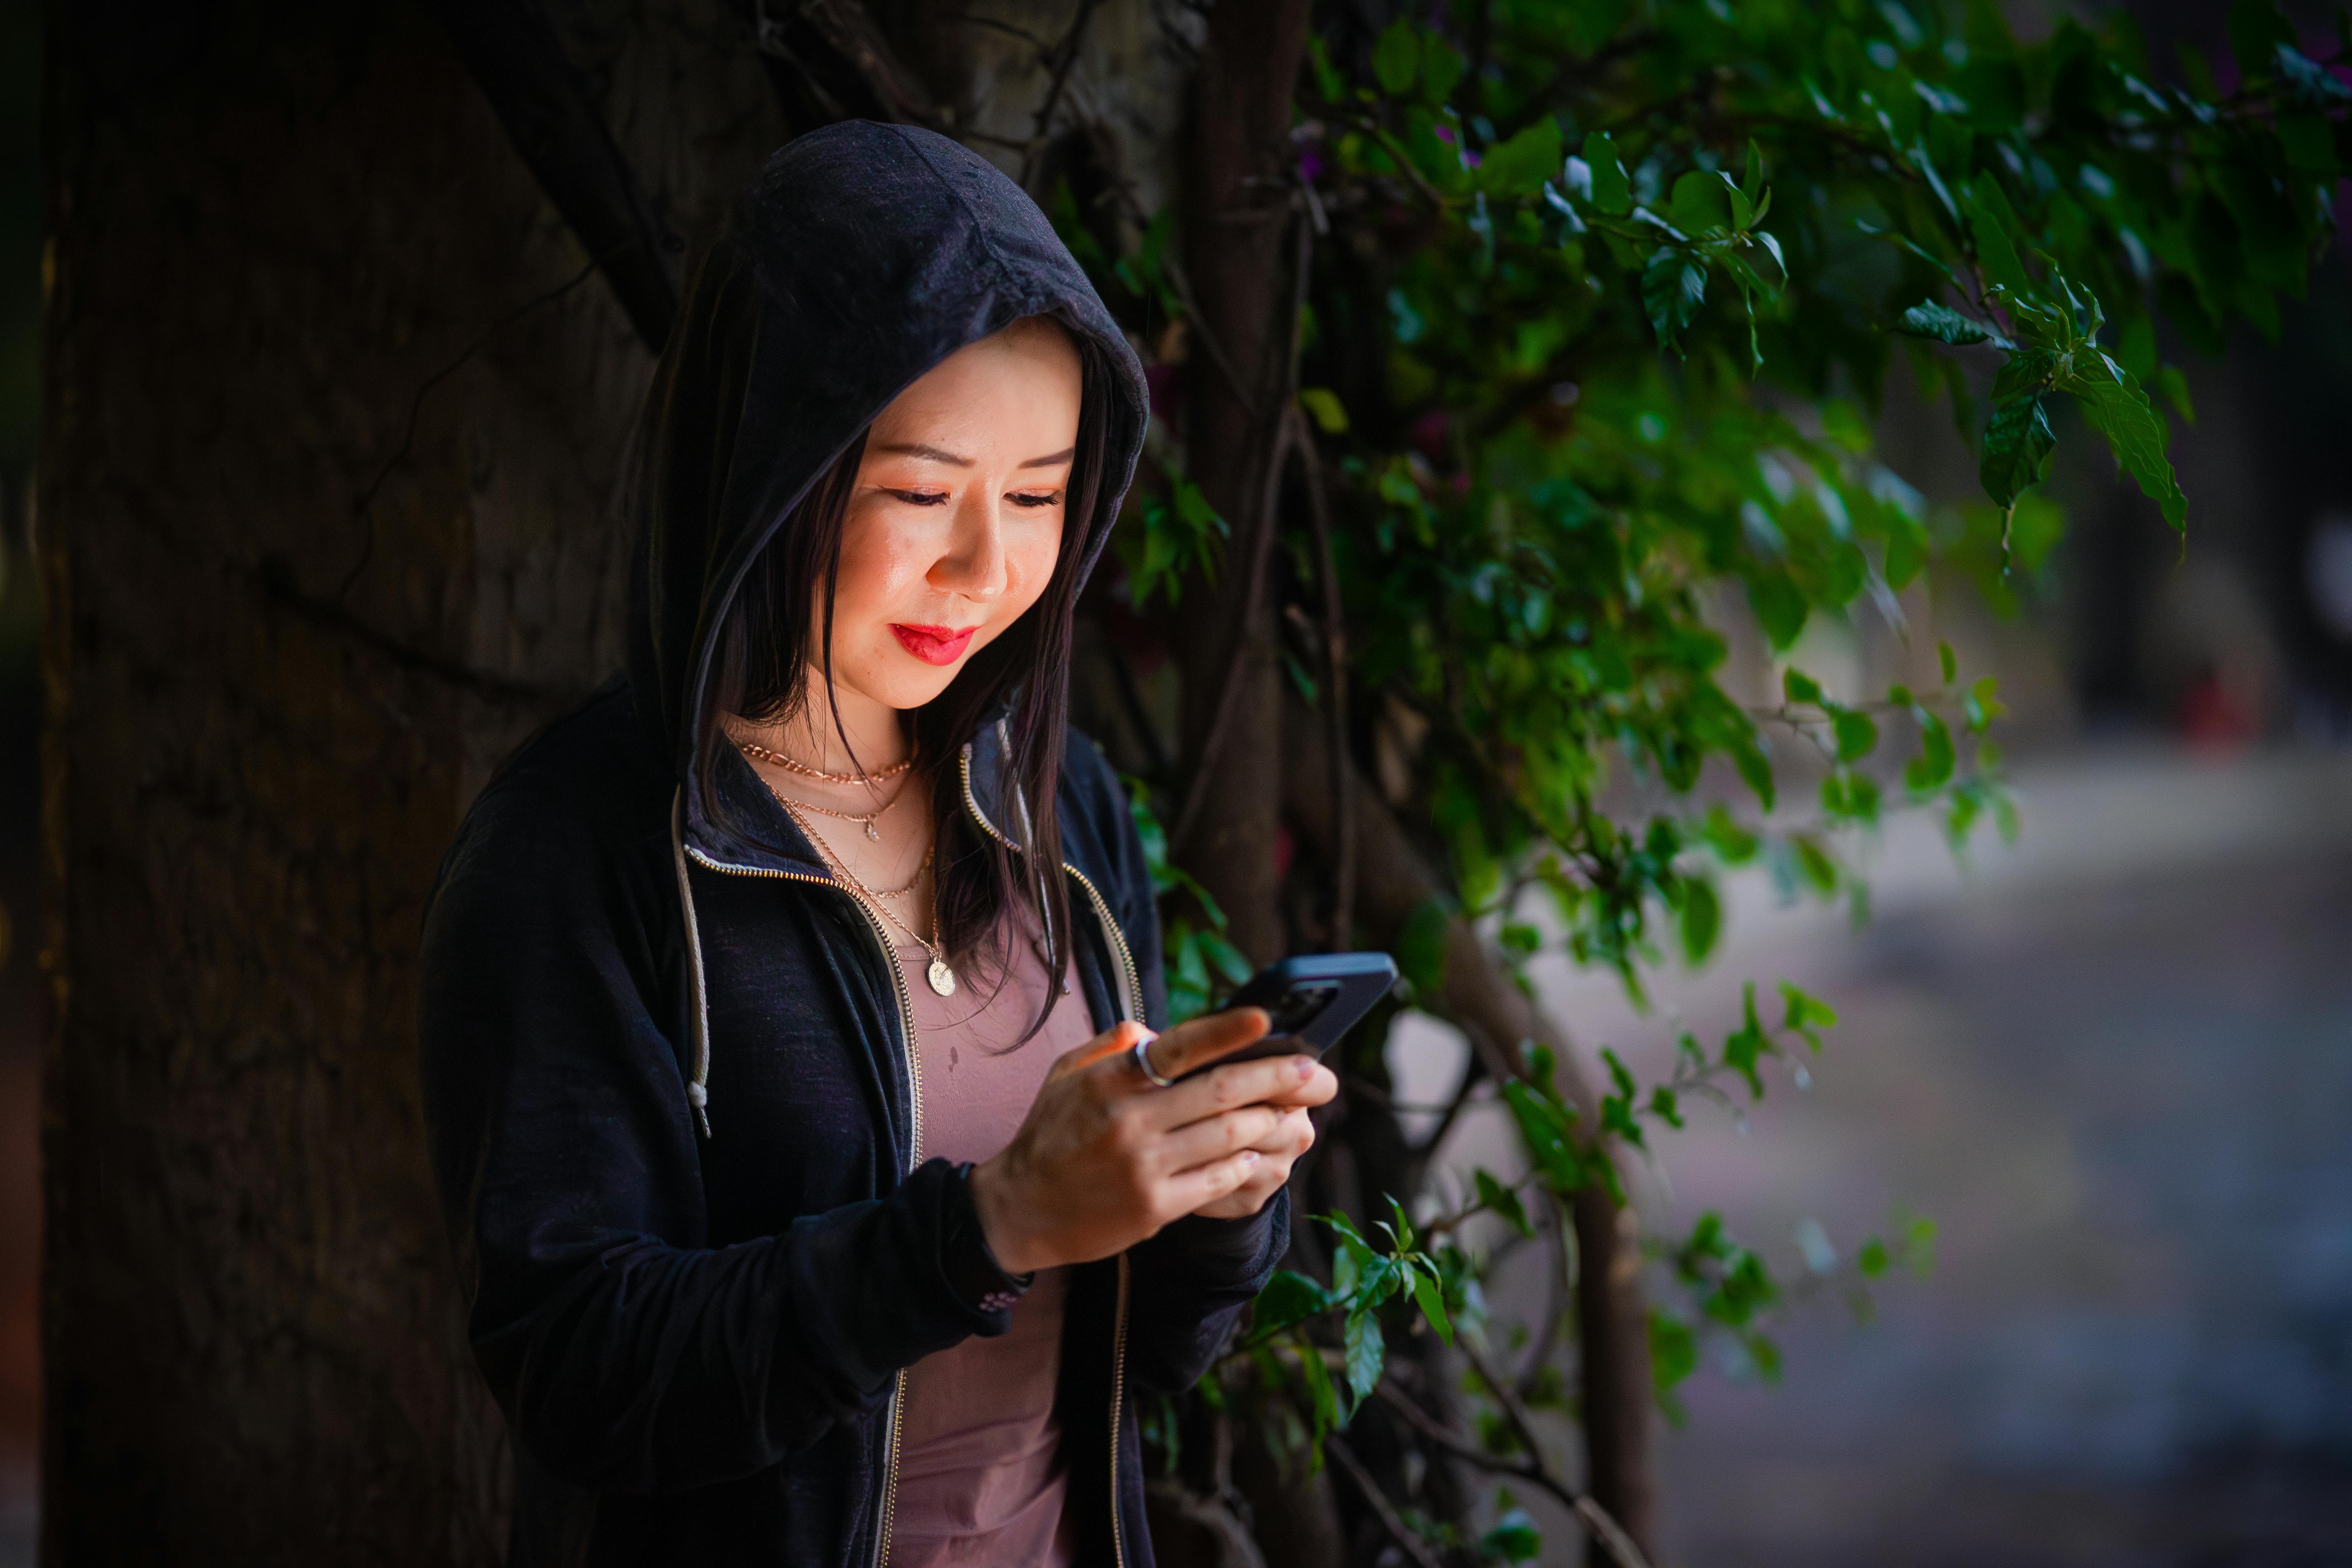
[(957, 517)]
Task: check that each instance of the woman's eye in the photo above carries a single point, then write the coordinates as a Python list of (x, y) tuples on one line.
[(1049, 497), (922, 498)]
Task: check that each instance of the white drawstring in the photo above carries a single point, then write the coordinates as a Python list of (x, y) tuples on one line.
[(697, 1087)]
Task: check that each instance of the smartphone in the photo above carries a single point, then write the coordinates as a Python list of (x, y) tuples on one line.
[(1313, 1000)]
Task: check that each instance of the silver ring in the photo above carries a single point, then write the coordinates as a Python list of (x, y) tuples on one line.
[(1142, 1055)]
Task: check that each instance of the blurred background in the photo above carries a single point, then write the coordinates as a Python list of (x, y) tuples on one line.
[(2113, 1062)]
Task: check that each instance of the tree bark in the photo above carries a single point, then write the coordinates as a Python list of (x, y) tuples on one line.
[(1237, 205), (286, 276), (1391, 880)]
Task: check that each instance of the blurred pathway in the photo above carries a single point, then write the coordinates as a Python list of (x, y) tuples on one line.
[(2116, 1066)]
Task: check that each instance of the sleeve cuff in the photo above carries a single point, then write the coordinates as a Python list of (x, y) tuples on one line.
[(974, 1275)]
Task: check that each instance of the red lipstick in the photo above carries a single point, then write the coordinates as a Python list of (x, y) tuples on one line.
[(933, 645)]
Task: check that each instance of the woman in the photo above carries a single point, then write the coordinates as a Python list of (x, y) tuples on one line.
[(820, 1192)]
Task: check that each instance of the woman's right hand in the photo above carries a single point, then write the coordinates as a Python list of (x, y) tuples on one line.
[(1106, 1158)]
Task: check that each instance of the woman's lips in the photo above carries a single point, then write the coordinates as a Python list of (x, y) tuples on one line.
[(933, 645)]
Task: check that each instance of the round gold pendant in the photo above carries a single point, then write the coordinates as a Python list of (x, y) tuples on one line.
[(942, 978)]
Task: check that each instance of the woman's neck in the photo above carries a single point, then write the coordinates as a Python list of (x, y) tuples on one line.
[(866, 737)]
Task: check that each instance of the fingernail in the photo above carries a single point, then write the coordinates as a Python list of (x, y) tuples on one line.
[(1304, 1067), (1249, 1156)]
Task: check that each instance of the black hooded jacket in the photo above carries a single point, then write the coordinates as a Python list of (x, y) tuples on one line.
[(697, 1337)]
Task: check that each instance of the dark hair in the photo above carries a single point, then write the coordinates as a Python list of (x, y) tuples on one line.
[(767, 637)]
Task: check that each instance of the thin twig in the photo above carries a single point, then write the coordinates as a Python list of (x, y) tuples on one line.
[(1534, 1472), (1411, 1544), (1259, 538), (1065, 55), (360, 508), (1174, 270), (1282, 433)]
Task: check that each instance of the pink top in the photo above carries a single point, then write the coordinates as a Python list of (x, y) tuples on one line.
[(978, 1476)]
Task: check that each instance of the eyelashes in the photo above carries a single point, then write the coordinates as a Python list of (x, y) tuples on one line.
[(940, 498)]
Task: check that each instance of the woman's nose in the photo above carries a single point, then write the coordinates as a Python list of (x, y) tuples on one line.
[(974, 564)]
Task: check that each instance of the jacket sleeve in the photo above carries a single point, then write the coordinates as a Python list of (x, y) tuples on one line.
[(1189, 1282), (626, 1355)]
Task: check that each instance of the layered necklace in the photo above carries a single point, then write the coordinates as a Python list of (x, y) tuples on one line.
[(940, 975), (867, 820)]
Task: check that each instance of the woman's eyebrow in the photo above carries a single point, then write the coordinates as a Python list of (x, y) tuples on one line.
[(916, 449), (1056, 460)]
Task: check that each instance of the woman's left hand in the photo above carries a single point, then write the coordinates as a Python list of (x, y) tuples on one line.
[(1278, 1150)]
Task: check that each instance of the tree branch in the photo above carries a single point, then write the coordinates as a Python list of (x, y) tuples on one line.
[(1532, 1470), (515, 57), (1407, 1542)]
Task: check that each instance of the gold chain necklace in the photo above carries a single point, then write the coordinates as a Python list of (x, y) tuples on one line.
[(791, 765), (865, 820), (941, 977)]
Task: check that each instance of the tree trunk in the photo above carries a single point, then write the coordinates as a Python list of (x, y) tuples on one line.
[(287, 245), (1237, 202), (1612, 1318)]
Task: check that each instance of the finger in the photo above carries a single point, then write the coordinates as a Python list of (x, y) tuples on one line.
[(1197, 1042), (1230, 1087), (1189, 1190), (1216, 1137), (1291, 1136), (1320, 1087), (1116, 1041)]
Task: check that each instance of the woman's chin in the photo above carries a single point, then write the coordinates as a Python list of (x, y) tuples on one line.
[(916, 684)]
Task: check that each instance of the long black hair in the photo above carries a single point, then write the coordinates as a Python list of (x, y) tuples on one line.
[(769, 638)]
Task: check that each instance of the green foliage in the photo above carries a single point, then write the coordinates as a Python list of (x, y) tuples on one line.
[(1197, 952), (1604, 298)]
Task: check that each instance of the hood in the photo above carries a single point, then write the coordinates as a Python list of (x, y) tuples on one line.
[(861, 257)]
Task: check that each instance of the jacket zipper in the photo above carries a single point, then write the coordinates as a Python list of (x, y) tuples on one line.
[(889, 1500), (1131, 1003)]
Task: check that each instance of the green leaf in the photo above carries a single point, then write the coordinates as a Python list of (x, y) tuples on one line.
[(2113, 402), (1700, 202), (1432, 1300), (1946, 326), (1287, 1298), (1796, 686), (2016, 441), (1673, 1351), (1613, 192), (1230, 960), (1367, 1352), (1781, 608), (1806, 1013), (1543, 1123), (1674, 287), (1420, 945), (1396, 59), (1505, 1202), (1733, 845), (1514, 1539), (1519, 166), (2310, 83), (1441, 67), (1319, 1391), (1856, 734), (1701, 919), (1993, 227), (1932, 768), (1323, 405), (1948, 662), (1820, 872), (2257, 32)]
